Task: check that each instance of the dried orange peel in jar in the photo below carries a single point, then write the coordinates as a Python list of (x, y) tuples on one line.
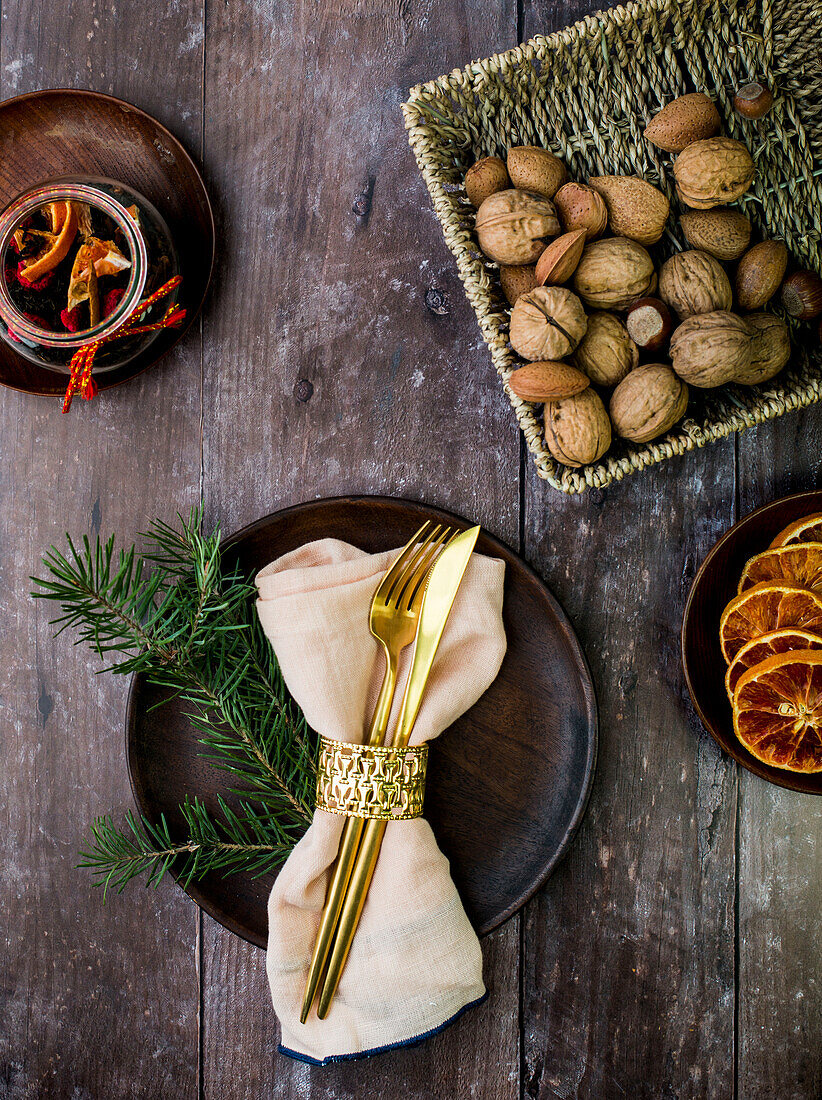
[(83, 283), (94, 259), (778, 711), (56, 252), (107, 257)]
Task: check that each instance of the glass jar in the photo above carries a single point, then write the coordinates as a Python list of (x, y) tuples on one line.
[(153, 262)]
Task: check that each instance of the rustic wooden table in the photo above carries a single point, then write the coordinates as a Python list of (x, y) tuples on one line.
[(676, 951)]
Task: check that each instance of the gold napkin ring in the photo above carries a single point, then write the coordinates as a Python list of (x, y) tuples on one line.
[(378, 782)]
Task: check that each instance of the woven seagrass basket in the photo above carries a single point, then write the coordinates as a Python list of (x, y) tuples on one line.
[(586, 93)]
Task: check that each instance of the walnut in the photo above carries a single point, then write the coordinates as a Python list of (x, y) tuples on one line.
[(613, 273), (711, 348), (694, 282), (547, 323), (512, 226), (606, 352), (648, 402), (770, 351), (712, 172), (577, 429)]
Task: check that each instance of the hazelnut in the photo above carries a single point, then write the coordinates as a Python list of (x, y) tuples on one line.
[(512, 226), (577, 429), (753, 100), (711, 349), (517, 280), (485, 178), (694, 282), (770, 350), (648, 402), (649, 323), (580, 207), (547, 323), (613, 273), (636, 208), (713, 172), (535, 169), (606, 352), (759, 273), (802, 295)]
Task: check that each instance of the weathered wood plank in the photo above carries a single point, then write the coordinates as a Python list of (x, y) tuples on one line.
[(330, 248), (780, 845), (629, 971), (629, 952), (94, 1001)]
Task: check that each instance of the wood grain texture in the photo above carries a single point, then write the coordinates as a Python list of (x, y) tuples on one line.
[(674, 953), (332, 250), (94, 1001), (629, 953), (779, 1049)]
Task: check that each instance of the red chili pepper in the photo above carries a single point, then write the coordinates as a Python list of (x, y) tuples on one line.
[(39, 284), (113, 299)]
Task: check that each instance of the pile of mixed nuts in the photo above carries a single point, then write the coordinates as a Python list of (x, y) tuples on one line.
[(545, 231)]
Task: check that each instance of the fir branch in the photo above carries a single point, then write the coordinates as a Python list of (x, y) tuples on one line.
[(239, 842), (177, 615)]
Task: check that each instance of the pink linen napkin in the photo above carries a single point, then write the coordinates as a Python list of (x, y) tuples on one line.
[(415, 962)]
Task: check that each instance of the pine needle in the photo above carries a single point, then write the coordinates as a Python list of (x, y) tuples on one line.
[(175, 614)]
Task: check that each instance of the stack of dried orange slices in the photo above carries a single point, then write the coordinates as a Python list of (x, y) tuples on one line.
[(771, 637)]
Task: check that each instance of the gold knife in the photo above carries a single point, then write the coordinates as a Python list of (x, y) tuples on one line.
[(441, 589)]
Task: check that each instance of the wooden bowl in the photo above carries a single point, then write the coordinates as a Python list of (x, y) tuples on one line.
[(65, 131), (714, 586)]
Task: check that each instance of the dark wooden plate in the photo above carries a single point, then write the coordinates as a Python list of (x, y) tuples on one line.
[(63, 131), (714, 586), (507, 783)]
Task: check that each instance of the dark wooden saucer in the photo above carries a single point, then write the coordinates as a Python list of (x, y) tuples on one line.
[(714, 586), (65, 131), (507, 784)]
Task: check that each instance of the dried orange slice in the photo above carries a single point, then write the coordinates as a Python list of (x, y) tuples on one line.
[(768, 606), (778, 710), (58, 251), (807, 529), (799, 562), (758, 649)]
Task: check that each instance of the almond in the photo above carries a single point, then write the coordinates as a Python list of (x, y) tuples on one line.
[(759, 274), (547, 381), (580, 207), (559, 260), (690, 118), (535, 169), (636, 209), (517, 280), (721, 232), (485, 178)]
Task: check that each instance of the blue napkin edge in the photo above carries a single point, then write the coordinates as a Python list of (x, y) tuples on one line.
[(413, 1041)]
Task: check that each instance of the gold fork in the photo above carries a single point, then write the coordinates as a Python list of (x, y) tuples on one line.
[(395, 611)]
